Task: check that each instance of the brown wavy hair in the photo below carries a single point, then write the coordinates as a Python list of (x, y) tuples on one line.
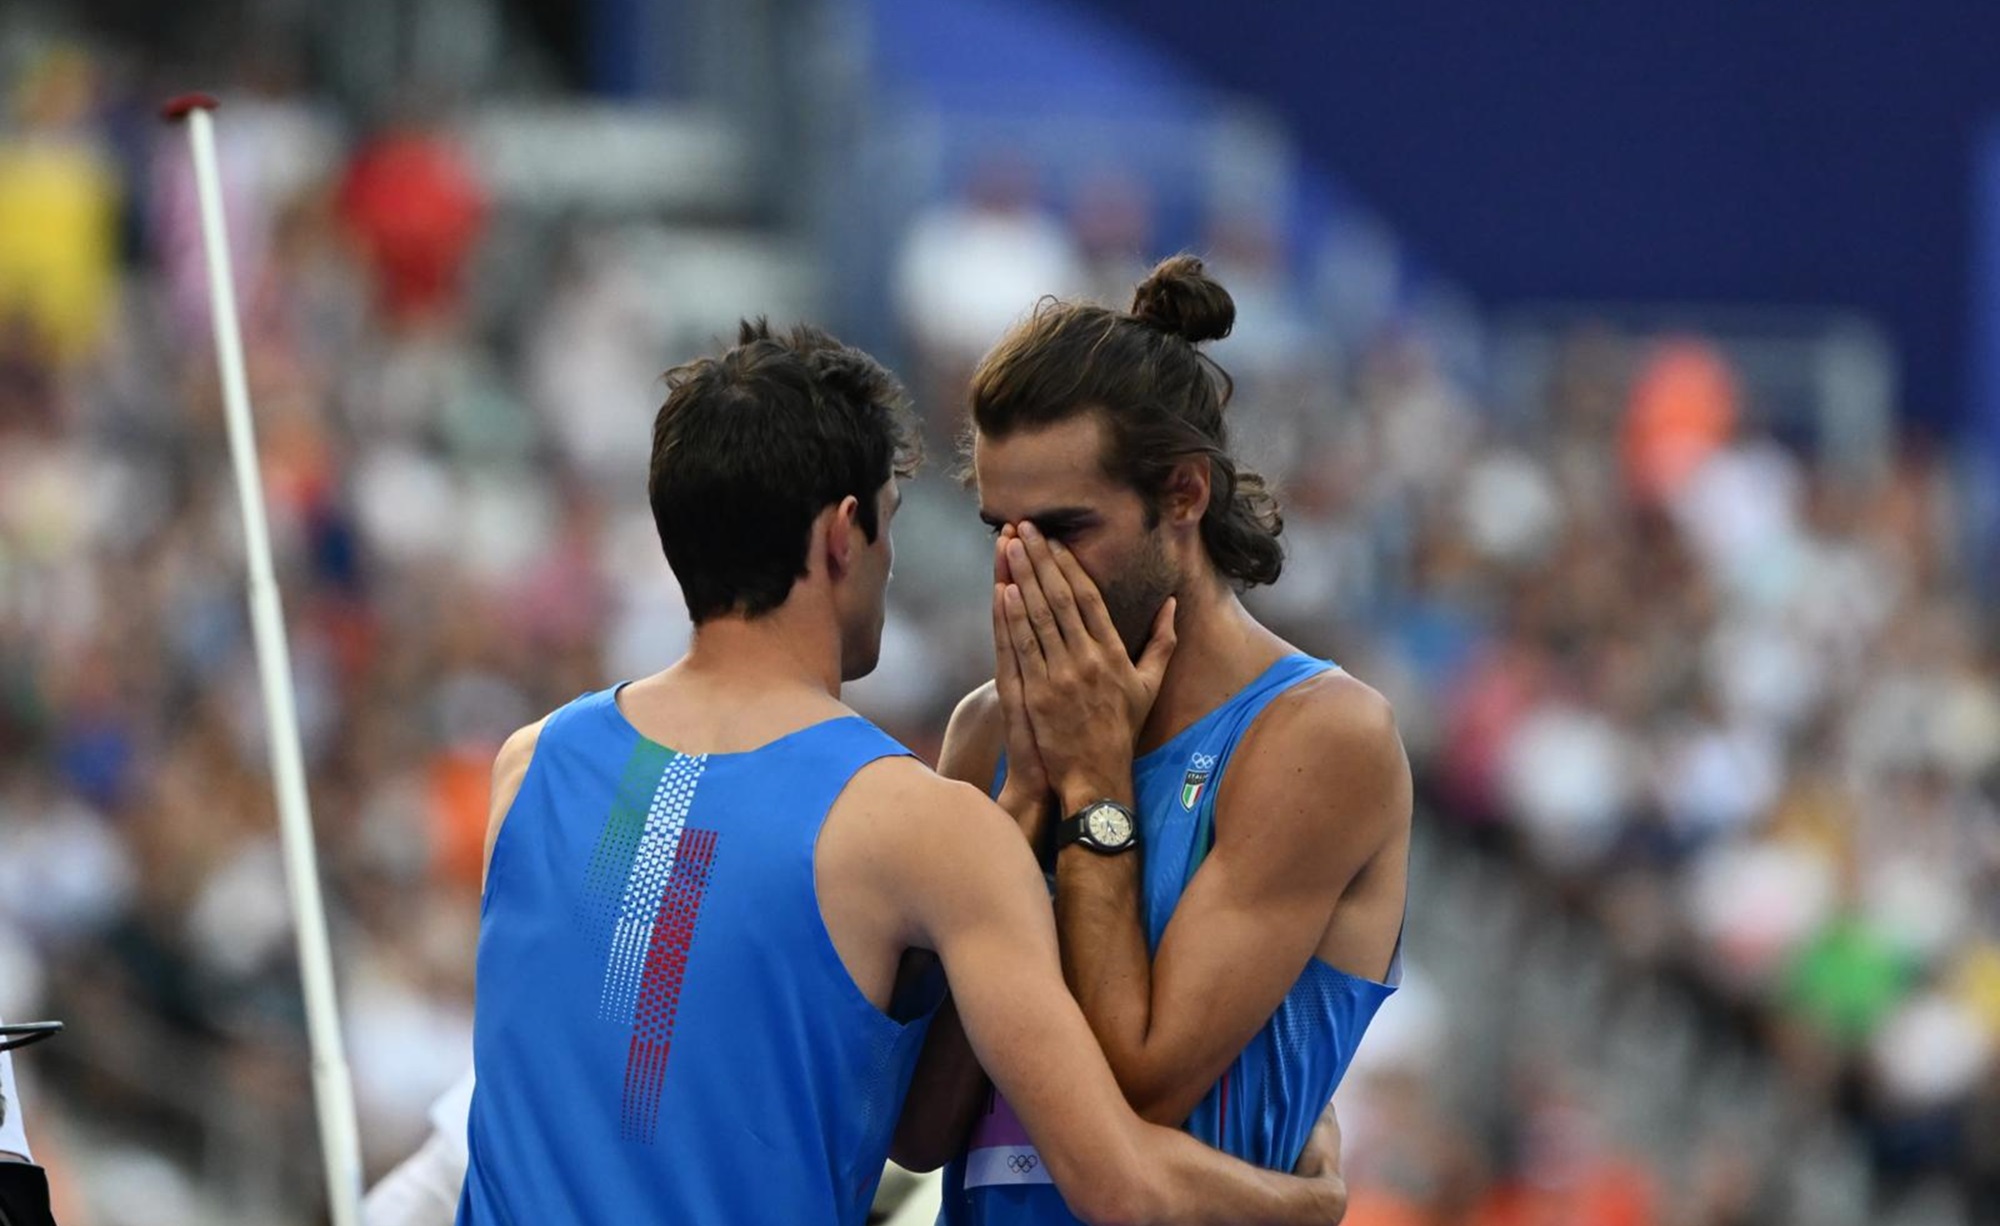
[(1160, 395)]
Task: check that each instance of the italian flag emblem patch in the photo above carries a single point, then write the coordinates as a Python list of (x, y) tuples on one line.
[(1200, 767)]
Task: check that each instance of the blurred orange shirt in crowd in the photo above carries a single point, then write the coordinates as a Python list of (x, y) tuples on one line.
[(461, 782), (1609, 1192), (1682, 410)]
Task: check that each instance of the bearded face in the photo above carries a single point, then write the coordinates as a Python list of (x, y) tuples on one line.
[(1054, 478), (1134, 592)]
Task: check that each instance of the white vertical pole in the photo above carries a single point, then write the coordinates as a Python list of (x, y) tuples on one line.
[(333, 1092)]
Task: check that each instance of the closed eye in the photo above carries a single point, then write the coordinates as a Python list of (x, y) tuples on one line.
[(1066, 528), (1064, 524)]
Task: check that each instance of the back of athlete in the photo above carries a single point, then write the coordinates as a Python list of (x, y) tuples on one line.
[(658, 910)]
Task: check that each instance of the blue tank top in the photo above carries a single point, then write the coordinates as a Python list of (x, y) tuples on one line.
[(1267, 1101), (664, 1031)]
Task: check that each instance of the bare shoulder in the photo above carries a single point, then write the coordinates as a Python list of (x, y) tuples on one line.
[(903, 790), (517, 751), (977, 714), (510, 768), (927, 856), (1334, 713), (911, 832), (973, 738), (1330, 736)]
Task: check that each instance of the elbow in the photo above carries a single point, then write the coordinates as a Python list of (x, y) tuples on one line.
[(1153, 1094), (1160, 1106)]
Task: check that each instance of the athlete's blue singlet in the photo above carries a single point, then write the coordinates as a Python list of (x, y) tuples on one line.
[(1267, 1101), (664, 1032)]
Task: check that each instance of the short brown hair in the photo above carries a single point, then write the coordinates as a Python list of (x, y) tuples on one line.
[(1161, 397)]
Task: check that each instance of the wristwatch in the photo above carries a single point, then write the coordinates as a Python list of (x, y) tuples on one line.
[(1104, 826)]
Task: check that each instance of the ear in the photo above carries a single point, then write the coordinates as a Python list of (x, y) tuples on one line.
[(843, 536), (1184, 499)]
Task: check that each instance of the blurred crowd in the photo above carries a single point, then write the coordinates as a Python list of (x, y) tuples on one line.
[(1731, 705)]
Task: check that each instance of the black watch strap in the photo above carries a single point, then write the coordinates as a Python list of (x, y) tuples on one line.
[(1069, 830), (1078, 827)]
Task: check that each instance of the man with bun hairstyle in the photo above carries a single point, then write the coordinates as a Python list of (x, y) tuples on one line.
[(1225, 820)]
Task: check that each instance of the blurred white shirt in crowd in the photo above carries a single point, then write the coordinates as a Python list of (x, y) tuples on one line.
[(1568, 774), (1740, 511), (966, 273), (1931, 1052)]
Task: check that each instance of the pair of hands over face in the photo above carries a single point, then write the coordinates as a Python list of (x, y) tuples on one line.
[(1073, 699)]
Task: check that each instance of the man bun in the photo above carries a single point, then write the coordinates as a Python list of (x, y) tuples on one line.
[(1180, 298)]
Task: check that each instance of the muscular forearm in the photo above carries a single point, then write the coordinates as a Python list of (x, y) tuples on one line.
[(949, 1087), (1199, 1185), (1105, 958)]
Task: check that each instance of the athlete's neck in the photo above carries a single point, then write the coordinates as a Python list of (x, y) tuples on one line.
[(1219, 649), (743, 683), (784, 649)]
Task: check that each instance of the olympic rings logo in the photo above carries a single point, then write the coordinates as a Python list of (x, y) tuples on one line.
[(1021, 1164)]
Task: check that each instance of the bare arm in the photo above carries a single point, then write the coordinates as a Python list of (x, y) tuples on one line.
[(1312, 796), (949, 1087), (974, 894)]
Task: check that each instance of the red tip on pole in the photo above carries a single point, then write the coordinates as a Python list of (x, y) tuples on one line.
[(178, 108)]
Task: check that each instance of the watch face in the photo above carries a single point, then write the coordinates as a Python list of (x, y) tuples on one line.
[(1109, 827)]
